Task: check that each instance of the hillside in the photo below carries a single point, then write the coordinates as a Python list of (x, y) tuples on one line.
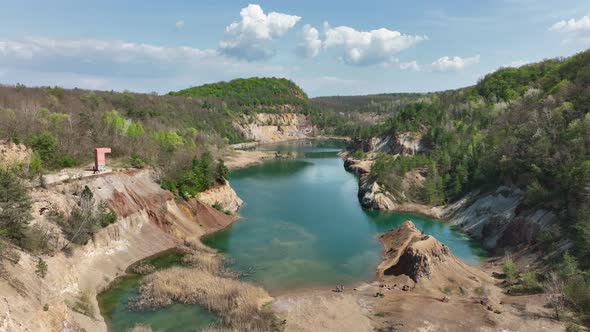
[(255, 92), (511, 153)]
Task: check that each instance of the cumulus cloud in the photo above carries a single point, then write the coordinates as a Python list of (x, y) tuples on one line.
[(368, 47), (572, 25), (179, 25), (249, 38), (453, 64), (309, 44), (91, 63), (412, 65)]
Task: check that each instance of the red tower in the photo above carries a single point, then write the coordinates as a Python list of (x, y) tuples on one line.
[(100, 158)]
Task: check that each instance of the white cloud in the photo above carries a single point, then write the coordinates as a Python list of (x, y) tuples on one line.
[(249, 39), (572, 25), (309, 44), (453, 64), (368, 47), (94, 49), (179, 25), (412, 65), (115, 64)]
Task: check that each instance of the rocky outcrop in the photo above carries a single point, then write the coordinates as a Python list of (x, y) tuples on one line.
[(274, 127), (224, 195), (372, 196), (14, 154), (410, 253), (149, 220), (406, 143), (498, 218)]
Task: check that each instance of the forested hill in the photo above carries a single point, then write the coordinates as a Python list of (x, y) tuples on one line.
[(377, 103), (250, 92)]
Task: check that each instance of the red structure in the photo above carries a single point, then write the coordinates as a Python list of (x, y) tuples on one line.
[(100, 158)]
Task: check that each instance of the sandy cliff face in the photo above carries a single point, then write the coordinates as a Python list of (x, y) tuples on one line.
[(271, 127), (12, 154), (224, 195), (396, 143), (409, 252), (149, 221)]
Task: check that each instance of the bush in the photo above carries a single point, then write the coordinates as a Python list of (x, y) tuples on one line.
[(83, 304), (15, 207), (509, 269), (85, 219), (41, 269), (67, 160), (36, 164), (45, 144), (136, 161)]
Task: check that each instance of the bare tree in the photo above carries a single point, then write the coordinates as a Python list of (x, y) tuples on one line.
[(554, 286)]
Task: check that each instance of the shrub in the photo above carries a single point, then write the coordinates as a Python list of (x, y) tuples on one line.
[(85, 219), (45, 144), (36, 164), (83, 304), (41, 269), (572, 327), (67, 160), (136, 161), (15, 206), (509, 269)]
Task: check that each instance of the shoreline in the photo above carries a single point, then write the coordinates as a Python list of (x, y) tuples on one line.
[(354, 289)]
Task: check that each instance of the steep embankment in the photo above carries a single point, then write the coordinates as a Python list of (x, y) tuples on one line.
[(372, 194), (274, 127), (497, 218), (423, 286), (500, 219), (149, 220)]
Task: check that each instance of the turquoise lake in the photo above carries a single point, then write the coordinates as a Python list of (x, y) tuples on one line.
[(302, 225)]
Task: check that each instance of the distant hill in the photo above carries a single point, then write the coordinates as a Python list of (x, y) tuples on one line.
[(378, 103), (253, 91)]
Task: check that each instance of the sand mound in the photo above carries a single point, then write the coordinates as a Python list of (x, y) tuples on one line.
[(422, 258)]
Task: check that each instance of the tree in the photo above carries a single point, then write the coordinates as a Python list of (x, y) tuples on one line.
[(41, 268), (15, 206), (509, 269), (85, 219), (221, 172), (45, 144), (554, 287), (135, 131)]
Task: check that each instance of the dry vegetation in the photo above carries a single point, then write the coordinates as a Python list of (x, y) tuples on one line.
[(206, 283)]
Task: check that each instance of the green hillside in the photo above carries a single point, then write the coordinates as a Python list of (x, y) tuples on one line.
[(250, 92)]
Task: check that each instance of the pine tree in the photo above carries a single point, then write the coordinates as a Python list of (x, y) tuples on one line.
[(15, 206)]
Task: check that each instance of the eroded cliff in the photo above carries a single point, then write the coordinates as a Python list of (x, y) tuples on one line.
[(149, 220)]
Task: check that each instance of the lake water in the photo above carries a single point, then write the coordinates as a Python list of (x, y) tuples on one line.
[(302, 226)]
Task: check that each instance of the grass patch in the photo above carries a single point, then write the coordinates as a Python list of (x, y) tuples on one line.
[(239, 304)]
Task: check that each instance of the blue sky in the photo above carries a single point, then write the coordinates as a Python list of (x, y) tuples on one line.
[(328, 47)]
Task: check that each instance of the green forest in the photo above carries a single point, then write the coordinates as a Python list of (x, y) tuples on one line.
[(253, 92)]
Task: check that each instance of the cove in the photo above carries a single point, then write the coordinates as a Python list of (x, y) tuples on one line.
[(177, 317), (303, 227)]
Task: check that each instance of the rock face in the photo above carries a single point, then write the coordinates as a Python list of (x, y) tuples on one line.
[(274, 127), (397, 143), (497, 218), (11, 153), (371, 196), (149, 220), (408, 252), (224, 195)]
